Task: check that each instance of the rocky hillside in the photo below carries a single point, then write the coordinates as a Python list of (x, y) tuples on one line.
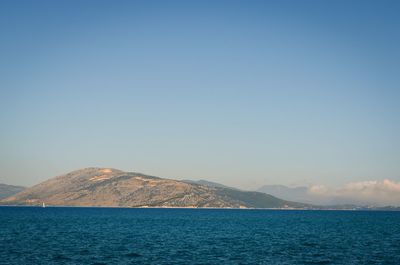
[(8, 190), (111, 187)]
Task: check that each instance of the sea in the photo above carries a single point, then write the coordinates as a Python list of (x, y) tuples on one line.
[(63, 235)]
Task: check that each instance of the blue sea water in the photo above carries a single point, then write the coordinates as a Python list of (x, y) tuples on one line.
[(30, 235)]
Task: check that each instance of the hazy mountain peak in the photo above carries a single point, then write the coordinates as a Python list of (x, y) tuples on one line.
[(8, 190), (288, 193)]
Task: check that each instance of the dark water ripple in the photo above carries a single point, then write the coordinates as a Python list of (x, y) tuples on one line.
[(193, 236)]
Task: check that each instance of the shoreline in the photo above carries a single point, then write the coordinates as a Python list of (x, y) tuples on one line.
[(394, 209)]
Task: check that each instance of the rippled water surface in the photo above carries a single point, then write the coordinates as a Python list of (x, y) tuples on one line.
[(31, 235)]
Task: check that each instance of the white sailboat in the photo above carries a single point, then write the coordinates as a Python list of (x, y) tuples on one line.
[(43, 205)]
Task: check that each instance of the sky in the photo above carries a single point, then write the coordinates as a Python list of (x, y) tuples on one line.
[(246, 93)]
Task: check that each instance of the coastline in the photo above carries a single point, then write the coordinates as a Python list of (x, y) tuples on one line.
[(382, 209)]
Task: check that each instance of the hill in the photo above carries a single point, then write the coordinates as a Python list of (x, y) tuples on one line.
[(115, 188), (208, 183), (8, 190)]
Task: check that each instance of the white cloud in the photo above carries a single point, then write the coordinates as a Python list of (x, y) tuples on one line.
[(317, 190), (385, 192)]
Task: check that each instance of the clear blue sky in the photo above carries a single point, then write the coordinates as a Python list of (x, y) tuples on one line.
[(241, 92)]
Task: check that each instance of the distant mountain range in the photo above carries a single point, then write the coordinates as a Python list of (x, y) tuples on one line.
[(303, 195), (112, 187), (8, 190), (299, 194)]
